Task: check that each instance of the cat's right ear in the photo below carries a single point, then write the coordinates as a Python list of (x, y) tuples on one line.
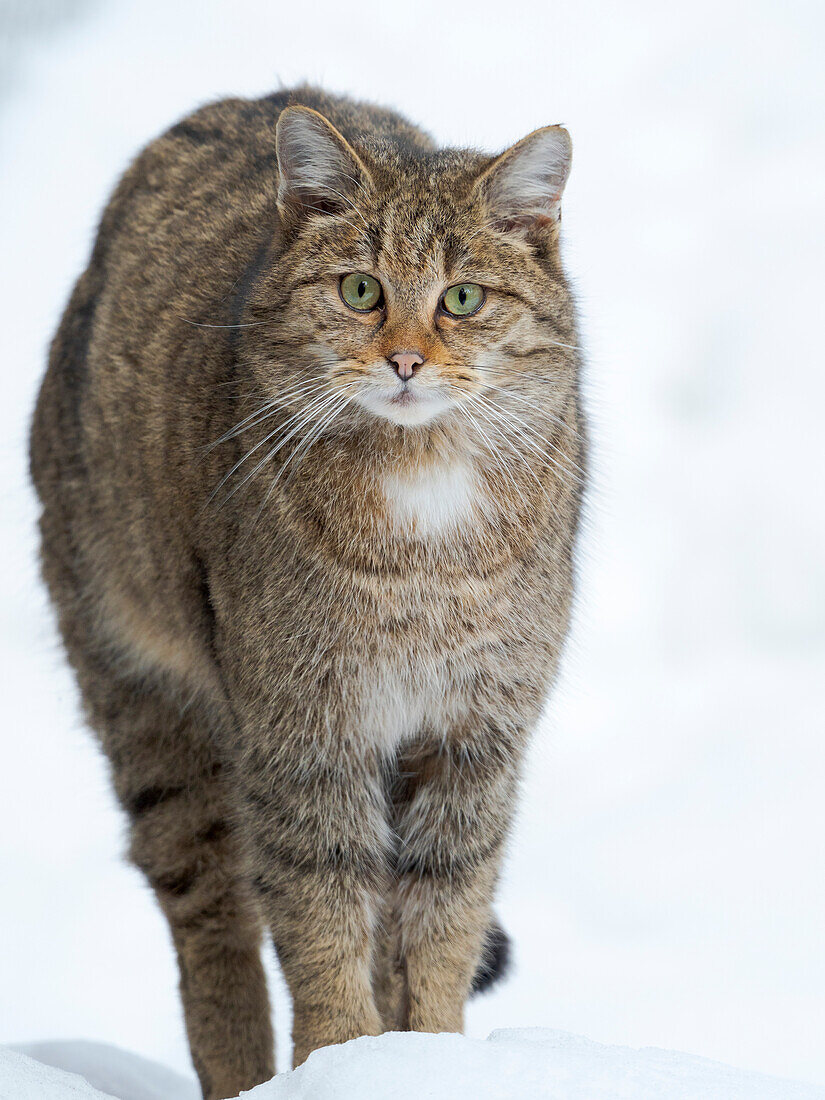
[(318, 170)]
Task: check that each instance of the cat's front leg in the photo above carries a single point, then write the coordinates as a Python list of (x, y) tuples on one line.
[(318, 841), (452, 832)]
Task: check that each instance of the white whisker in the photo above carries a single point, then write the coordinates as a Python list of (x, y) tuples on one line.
[(302, 446), (269, 408), (493, 450), (574, 470), (305, 414), (519, 456), (202, 324)]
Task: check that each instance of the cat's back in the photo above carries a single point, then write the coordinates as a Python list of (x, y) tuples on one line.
[(184, 209), (216, 171)]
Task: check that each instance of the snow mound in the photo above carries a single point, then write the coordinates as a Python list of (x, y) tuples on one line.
[(21, 1078), (533, 1064), (112, 1071)]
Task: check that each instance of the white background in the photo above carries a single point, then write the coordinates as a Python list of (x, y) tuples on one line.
[(665, 885)]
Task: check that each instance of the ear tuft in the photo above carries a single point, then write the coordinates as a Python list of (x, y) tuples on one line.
[(523, 187), (318, 169)]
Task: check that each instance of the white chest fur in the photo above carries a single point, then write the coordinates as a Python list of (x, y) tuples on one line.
[(433, 500)]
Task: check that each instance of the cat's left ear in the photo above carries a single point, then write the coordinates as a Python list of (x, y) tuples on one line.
[(318, 170), (522, 188)]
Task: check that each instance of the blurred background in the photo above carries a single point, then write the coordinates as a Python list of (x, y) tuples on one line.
[(666, 884)]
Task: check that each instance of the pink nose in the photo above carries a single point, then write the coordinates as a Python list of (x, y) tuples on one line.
[(405, 363)]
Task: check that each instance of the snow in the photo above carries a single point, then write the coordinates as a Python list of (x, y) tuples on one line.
[(665, 881), (110, 1070), (533, 1063), (21, 1078)]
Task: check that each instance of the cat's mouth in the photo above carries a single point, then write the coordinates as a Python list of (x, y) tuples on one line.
[(408, 404), (404, 397)]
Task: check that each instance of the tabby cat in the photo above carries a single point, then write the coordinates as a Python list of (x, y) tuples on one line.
[(309, 450)]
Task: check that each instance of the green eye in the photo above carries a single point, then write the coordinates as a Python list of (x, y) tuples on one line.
[(463, 299), (360, 291)]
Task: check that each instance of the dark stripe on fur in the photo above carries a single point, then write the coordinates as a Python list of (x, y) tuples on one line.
[(176, 886), (150, 797)]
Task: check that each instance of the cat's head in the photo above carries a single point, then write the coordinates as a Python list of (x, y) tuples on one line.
[(416, 284)]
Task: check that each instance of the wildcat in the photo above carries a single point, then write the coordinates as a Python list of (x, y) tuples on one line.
[(309, 450)]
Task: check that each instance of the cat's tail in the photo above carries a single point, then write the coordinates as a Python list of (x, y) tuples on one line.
[(495, 959)]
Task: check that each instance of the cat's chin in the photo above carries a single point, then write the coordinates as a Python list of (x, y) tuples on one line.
[(407, 408)]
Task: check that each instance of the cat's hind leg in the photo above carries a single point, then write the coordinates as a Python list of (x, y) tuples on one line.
[(389, 974)]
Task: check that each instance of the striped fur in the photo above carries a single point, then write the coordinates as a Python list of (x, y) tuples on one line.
[(315, 660)]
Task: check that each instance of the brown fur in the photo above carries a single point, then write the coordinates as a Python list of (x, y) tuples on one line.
[(315, 706)]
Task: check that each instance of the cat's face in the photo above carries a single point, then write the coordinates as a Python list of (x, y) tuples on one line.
[(418, 289)]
